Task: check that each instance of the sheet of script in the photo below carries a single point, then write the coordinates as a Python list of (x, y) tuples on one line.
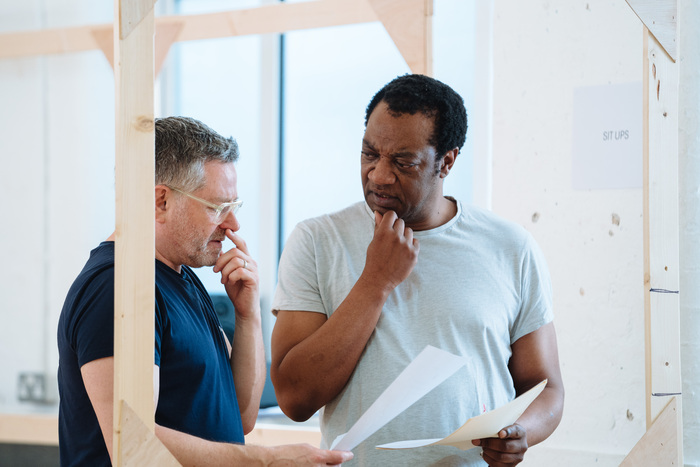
[(486, 425), (430, 368)]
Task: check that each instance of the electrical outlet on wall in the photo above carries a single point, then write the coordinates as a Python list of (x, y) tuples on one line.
[(32, 387)]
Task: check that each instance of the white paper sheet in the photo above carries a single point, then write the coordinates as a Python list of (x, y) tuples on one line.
[(486, 425), (430, 368)]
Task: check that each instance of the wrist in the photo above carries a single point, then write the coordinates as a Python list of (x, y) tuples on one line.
[(249, 318), (373, 288), (258, 456)]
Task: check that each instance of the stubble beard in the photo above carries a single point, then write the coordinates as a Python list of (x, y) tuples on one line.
[(204, 253)]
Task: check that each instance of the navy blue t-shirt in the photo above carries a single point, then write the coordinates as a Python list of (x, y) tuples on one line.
[(197, 394)]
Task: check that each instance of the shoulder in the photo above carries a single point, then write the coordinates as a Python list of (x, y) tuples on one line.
[(347, 216), (349, 221), (90, 298), (324, 236), (98, 271), (487, 223)]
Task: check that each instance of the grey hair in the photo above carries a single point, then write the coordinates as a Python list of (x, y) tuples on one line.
[(183, 146)]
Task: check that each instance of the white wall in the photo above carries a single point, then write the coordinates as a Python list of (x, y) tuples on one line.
[(57, 133), (689, 204), (543, 51)]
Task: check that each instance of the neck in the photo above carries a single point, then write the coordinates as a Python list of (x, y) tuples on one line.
[(447, 209), (175, 267), (159, 257)]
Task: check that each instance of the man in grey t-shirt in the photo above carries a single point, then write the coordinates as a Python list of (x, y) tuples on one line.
[(362, 291)]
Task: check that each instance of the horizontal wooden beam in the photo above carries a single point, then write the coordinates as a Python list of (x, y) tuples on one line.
[(276, 18), (408, 22)]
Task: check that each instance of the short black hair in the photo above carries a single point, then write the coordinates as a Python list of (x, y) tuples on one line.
[(413, 93)]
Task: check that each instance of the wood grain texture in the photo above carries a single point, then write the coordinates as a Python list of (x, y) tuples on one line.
[(134, 273), (660, 444), (661, 18)]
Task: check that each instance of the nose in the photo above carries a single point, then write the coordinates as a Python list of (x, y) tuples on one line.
[(382, 173), (230, 222)]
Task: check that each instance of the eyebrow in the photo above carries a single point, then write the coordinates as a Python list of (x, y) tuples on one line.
[(393, 155)]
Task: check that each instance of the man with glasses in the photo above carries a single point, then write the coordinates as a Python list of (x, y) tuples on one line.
[(207, 389)]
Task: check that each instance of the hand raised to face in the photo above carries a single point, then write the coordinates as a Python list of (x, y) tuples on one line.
[(393, 252), (239, 274)]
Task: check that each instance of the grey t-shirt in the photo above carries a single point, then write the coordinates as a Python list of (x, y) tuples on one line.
[(479, 285)]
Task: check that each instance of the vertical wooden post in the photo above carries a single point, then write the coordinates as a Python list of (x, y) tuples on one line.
[(661, 235), (135, 250), (661, 227)]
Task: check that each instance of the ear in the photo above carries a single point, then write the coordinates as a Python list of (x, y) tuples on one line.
[(448, 160), (163, 197)]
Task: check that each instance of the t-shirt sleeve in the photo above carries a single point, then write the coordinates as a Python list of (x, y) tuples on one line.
[(93, 328), (536, 308), (297, 284)]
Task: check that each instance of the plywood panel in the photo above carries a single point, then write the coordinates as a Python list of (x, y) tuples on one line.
[(141, 447), (660, 444), (661, 18)]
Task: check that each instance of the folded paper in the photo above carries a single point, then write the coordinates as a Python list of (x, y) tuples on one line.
[(430, 368), (486, 425)]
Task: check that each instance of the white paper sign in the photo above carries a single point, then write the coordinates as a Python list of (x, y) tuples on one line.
[(430, 368), (607, 137)]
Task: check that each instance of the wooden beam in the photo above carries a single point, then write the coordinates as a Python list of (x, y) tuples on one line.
[(165, 36), (277, 18), (660, 444), (661, 265), (135, 247), (407, 21), (661, 19), (661, 233)]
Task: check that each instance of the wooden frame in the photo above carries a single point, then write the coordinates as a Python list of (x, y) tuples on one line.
[(408, 22), (661, 234), (134, 176), (139, 57)]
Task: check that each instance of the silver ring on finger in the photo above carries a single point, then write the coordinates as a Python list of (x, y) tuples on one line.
[(245, 264)]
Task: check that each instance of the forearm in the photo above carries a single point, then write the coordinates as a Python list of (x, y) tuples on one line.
[(248, 367), (192, 451), (544, 414), (535, 358), (312, 373)]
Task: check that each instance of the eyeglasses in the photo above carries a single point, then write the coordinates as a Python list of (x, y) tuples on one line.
[(219, 211)]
